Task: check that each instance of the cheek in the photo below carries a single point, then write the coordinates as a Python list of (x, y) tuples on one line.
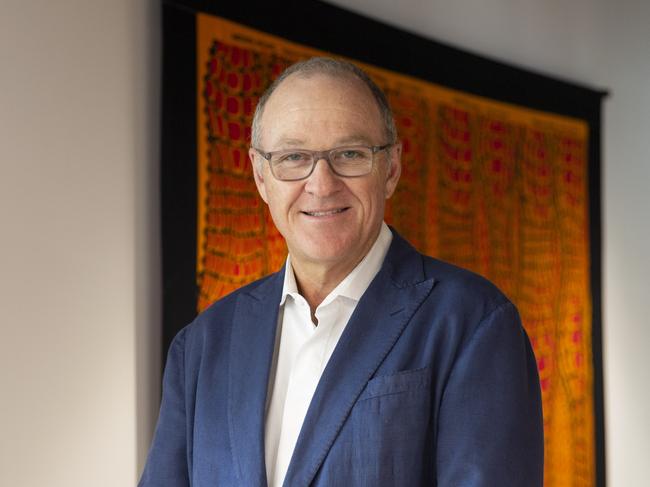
[(373, 198), (275, 206), (280, 203)]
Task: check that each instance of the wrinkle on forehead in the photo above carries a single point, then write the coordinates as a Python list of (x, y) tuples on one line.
[(322, 109)]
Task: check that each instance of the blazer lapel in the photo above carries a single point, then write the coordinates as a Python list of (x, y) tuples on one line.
[(252, 343), (379, 319)]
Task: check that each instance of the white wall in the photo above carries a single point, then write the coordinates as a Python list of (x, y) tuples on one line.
[(79, 365), (79, 278), (605, 44)]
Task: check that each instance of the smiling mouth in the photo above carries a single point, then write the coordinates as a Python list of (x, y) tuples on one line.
[(325, 212)]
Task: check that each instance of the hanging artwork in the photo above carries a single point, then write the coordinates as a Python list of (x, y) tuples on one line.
[(495, 187)]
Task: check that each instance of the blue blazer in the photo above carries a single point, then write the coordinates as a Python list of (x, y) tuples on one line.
[(433, 382)]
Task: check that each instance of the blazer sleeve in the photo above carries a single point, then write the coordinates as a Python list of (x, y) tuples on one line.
[(490, 428), (167, 463)]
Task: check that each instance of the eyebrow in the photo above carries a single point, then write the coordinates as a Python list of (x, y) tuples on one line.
[(354, 139)]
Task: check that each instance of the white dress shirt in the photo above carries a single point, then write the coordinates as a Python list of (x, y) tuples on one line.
[(303, 351)]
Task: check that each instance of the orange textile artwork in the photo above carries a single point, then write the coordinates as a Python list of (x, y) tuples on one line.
[(496, 188)]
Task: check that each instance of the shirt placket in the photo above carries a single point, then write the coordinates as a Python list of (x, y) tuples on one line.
[(303, 379)]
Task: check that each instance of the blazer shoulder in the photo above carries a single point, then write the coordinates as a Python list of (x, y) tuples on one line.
[(462, 284), (229, 300), (218, 316), (454, 288), (470, 303)]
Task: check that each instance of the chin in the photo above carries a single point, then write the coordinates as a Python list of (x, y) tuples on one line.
[(332, 252)]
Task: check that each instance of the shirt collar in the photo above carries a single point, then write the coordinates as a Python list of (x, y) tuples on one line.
[(357, 281), (290, 287)]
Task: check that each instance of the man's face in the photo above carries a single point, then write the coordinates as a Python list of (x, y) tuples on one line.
[(325, 219)]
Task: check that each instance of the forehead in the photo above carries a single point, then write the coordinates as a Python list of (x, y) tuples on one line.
[(321, 111)]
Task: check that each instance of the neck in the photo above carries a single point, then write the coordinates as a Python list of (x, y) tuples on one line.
[(316, 280)]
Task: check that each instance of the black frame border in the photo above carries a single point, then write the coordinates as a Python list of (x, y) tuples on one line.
[(374, 43)]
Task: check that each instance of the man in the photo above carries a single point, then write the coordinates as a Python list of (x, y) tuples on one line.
[(362, 362)]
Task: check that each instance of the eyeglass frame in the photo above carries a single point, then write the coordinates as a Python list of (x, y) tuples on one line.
[(325, 155)]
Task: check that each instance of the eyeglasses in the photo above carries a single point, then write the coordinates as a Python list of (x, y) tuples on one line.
[(347, 162)]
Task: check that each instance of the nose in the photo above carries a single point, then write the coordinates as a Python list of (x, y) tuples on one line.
[(322, 181)]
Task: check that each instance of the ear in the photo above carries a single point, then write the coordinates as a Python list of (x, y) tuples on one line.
[(394, 169), (258, 169)]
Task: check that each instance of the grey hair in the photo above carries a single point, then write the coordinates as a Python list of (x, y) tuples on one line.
[(336, 68)]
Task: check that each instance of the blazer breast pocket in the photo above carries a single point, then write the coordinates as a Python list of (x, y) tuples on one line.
[(392, 429), (400, 382)]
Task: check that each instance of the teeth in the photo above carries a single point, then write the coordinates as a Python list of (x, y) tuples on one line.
[(324, 213)]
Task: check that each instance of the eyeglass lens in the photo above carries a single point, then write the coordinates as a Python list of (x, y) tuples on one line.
[(345, 161)]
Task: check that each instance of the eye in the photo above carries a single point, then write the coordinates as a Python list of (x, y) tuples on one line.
[(351, 154), (296, 156), (293, 157)]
